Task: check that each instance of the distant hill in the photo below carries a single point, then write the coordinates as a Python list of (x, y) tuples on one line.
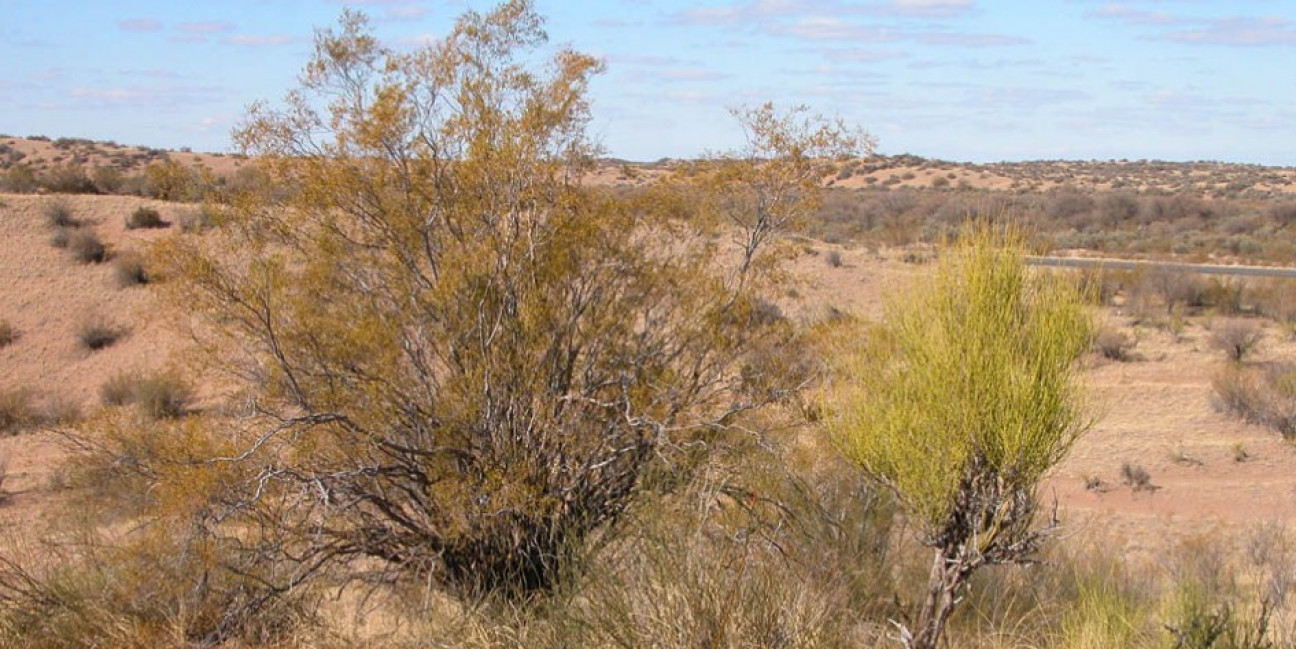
[(42, 156)]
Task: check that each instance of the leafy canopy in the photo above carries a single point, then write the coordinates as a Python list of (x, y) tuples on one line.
[(974, 372)]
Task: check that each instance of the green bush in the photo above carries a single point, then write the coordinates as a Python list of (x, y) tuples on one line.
[(961, 404)]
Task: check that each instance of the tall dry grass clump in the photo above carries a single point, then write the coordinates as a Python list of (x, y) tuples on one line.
[(1263, 395)]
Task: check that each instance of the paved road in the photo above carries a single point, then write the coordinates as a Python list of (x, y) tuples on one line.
[(1126, 264)]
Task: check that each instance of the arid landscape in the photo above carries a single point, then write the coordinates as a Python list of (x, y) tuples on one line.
[(1207, 473), (423, 365)]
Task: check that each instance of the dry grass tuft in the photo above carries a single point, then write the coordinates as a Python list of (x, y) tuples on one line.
[(159, 395), (1114, 344), (58, 214), (17, 410), (85, 245), (128, 270), (96, 332)]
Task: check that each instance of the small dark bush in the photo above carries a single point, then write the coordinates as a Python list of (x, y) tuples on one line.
[(8, 334), (85, 246), (129, 270), (145, 217), (59, 214), (1136, 477), (834, 259), (96, 333), (1114, 344)]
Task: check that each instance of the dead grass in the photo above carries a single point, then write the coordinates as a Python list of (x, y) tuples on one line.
[(96, 332), (17, 410), (128, 270), (158, 395), (85, 246)]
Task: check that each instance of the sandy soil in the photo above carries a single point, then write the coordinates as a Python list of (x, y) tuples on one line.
[(45, 294)]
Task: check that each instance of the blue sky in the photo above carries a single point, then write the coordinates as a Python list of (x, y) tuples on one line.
[(966, 80)]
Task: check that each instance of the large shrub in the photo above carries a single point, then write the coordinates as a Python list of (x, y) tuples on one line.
[(463, 360)]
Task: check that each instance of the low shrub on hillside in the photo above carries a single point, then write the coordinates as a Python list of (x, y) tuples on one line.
[(96, 333), (145, 217), (128, 269), (17, 410), (1265, 396), (1114, 344), (58, 214), (85, 245)]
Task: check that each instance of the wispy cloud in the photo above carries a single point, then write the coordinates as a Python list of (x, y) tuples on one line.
[(140, 25), (1239, 31), (144, 96), (836, 20), (252, 40), (406, 13), (928, 8), (1128, 14), (825, 28), (393, 10), (212, 27), (960, 39)]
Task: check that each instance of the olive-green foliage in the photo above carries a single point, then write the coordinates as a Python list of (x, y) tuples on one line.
[(466, 359), (975, 369)]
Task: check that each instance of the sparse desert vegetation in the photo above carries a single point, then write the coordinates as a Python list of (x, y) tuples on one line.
[(96, 332), (145, 217), (580, 412)]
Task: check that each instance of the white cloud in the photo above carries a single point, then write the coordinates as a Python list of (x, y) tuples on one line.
[(259, 41), (205, 27), (1239, 31)]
